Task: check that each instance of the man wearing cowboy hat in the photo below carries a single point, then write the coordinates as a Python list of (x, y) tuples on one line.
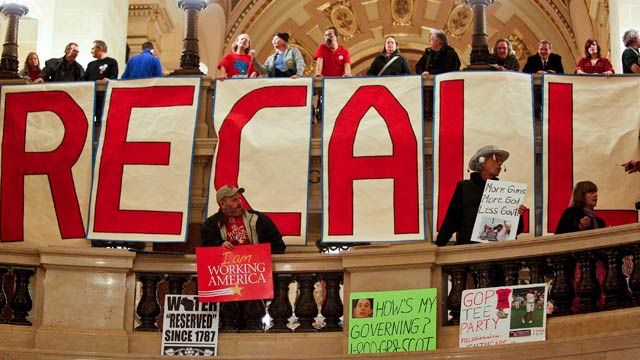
[(485, 165), (234, 225)]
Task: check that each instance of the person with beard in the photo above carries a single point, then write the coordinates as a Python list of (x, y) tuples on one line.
[(62, 69), (233, 225), (331, 58), (461, 214), (389, 62), (439, 58)]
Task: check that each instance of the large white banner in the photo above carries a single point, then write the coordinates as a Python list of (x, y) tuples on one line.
[(264, 136), (45, 176), (373, 160), (474, 109), (143, 165), (590, 127)]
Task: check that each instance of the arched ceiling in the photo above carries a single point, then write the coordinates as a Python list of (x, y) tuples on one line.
[(365, 23)]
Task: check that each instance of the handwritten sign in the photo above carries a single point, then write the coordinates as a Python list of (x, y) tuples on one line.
[(243, 273), (190, 328), (392, 321), (503, 315), (498, 216)]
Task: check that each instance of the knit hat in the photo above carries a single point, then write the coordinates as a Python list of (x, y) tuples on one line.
[(283, 35), (227, 191), (483, 153)]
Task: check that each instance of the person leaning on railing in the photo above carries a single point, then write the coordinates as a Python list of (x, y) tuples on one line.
[(31, 69), (593, 62), (439, 57), (286, 61), (631, 55), (503, 57), (389, 62)]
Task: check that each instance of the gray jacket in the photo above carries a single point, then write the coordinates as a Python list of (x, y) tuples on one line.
[(293, 60)]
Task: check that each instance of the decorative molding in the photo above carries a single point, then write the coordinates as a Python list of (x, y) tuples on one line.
[(459, 21), (154, 12), (402, 12), (341, 16), (247, 9), (566, 25)]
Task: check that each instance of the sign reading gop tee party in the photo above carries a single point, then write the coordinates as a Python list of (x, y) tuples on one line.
[(143, 165), (264, 136), (503, 315), (476, 109), (372, 160), (590, 127), (243, 273), (45, 172)]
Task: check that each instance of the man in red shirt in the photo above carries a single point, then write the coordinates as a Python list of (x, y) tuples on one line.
[(238, 63), (234, 225), (332, 59)]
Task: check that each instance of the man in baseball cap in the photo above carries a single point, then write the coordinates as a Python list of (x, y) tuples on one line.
[(234, 225), (485, 164)]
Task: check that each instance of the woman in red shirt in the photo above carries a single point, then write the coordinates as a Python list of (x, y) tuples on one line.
[(592, 62)]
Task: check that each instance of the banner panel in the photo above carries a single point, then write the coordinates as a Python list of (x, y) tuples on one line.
[(143, 165), (372, 143), (45, 172), (590, 127), (474, 109), (264, 136)]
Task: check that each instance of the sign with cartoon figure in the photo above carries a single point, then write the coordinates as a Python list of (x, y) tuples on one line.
[(498, 216), (503, 315), (392, 321), (190, 328), (243, 273)]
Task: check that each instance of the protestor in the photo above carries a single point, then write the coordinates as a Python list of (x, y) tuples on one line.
[(592, 62), (103, 67), (331, 58), (631, 55), (286, 61), (439, 57), (580, 214), (503, 57), (31, 69), (362, 308), (461, 214), (544, 61), (234, 225), (144, 65), (632, 166), (62, 69), (237, 63), (389, 62)]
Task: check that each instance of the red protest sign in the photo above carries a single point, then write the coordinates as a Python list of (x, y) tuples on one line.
[(243, 273)]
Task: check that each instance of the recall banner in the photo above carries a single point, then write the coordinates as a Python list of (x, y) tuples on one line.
[(497, 218), (264, 138), (475, 109), (243, 273), (590, 127), (372, 143), (45, 172), (503, 315), (392, 321), (143, 164), (189, 327)]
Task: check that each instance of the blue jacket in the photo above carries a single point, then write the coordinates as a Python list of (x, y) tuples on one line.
[(143, 65)]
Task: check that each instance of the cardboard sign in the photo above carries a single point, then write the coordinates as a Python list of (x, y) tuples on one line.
[(392, 321), (243, 273), (497, 218), (503, 315), (190, 328)]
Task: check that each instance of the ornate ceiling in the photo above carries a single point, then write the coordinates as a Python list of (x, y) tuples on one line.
[(365, 23)]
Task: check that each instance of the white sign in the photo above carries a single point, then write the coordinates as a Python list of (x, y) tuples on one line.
[(498, 217), (189, 328), (503, 315)]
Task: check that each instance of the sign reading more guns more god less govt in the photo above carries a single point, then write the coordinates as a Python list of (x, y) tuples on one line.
[(503, 315), (190, 328), (392, 321), (243, 273), (498, 216)]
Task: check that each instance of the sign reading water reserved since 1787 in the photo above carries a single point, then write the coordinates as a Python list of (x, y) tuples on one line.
[(190, 328)]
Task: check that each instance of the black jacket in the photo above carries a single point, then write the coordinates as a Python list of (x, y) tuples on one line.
[(258, 225), (438, 62), (534, 64), (57, 69), (570, 221), (100, 69), (462, 211), (398, 67)]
